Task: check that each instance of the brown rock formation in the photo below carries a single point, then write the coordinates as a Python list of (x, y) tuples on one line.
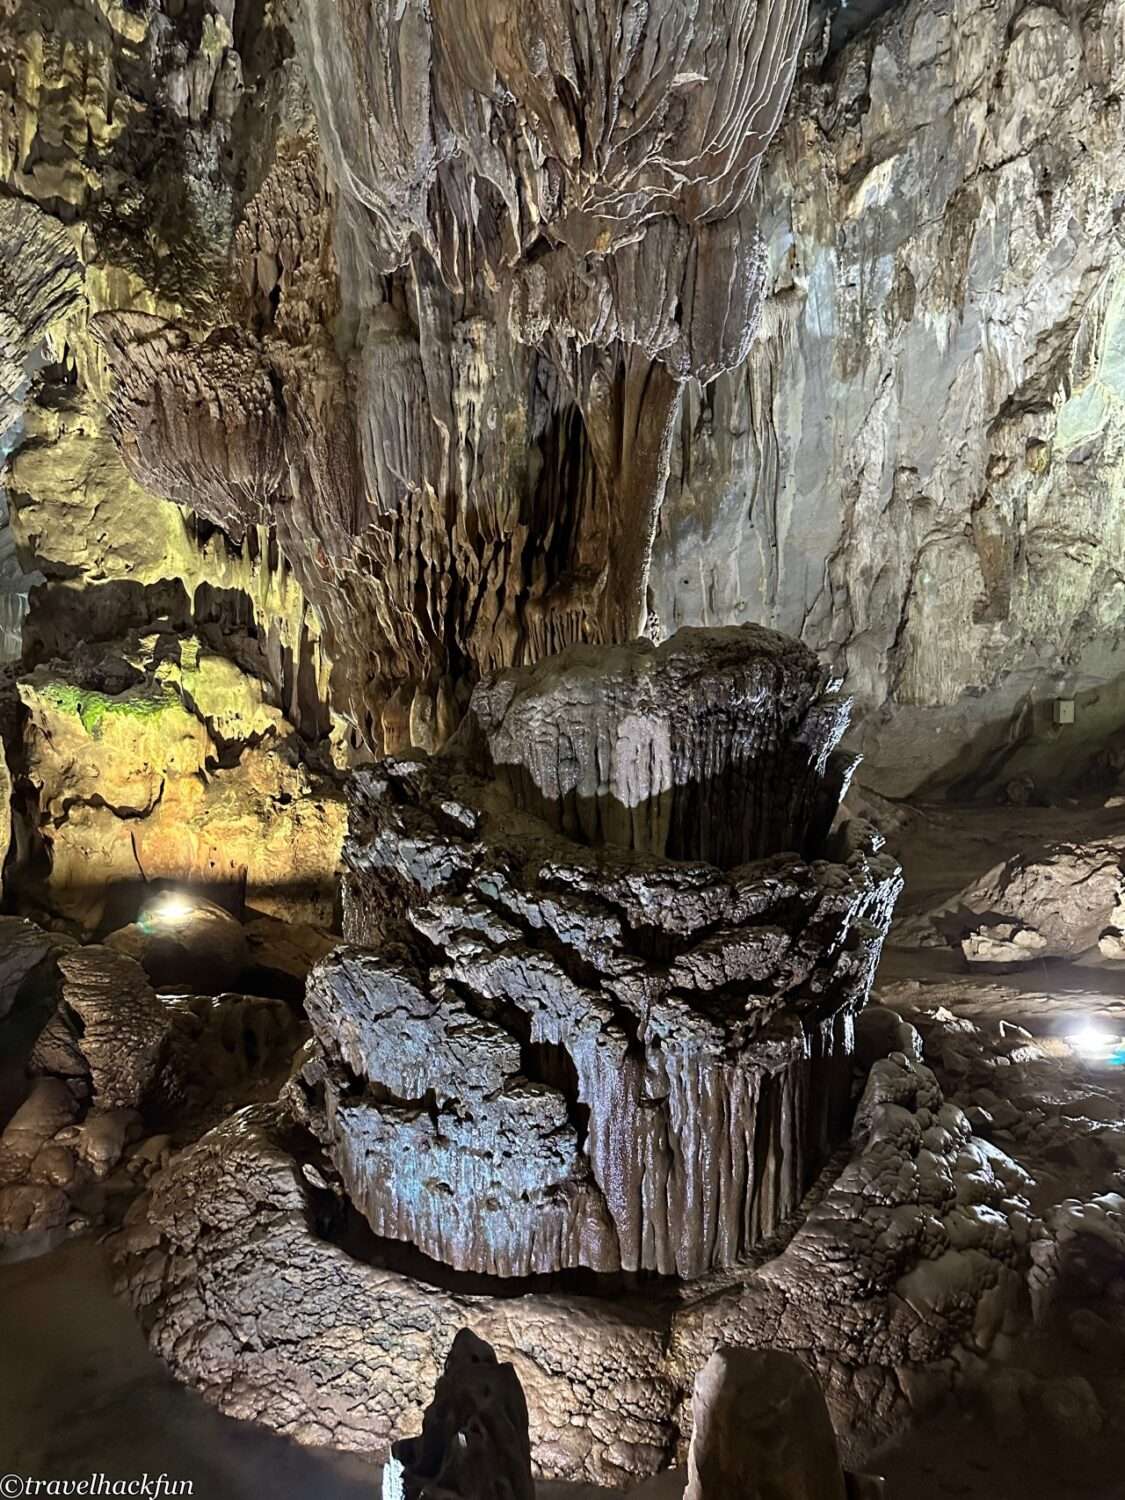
[(153, 759), (122, 1027)]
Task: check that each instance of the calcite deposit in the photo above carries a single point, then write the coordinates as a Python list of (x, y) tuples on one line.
[(920, 1248), (438, 909), (916, 470), (602, 1018)]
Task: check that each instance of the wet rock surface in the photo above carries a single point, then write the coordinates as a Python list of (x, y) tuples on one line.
[(915, 1250)]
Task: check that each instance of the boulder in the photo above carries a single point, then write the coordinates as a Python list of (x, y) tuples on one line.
[(761, 1431), (474, 1442), (185, 942), (124, 1027), (1052, 904)]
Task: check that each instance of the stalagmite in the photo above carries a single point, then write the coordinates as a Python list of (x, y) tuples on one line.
[(604, 1015)]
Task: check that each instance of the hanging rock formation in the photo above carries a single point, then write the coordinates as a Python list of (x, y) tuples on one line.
[(602, 1017), (542, 227)]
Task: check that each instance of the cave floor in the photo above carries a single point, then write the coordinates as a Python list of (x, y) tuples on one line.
[(81, 1393)]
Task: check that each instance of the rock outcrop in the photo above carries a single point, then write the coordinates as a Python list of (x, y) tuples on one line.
[(474, 1442), (1057, 900), (602, 1019), (915, 471), (919, 1249), (760, 1428), (156, 760)]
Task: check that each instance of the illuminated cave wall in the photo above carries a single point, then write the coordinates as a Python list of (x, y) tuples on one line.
[(365, 410)]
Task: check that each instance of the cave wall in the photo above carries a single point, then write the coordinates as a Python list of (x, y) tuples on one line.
[(918, 469), (137, 148), (371, 412)]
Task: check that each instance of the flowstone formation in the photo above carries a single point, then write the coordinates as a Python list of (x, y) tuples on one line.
[(449, 379), (907, 1267), (598, 1016)]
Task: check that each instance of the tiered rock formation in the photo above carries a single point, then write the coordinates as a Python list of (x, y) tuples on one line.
[(599, 1017), (917, 1252)]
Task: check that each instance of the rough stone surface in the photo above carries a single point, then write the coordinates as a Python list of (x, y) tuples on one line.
[(23, 948), (619, 1056), (918, 1248), (123, 1028), (760, 1428), (916, 470)]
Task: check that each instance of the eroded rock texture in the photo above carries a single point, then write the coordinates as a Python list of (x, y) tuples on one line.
[(916, 471), (918, 1250), (626, 1048), (121, 1026)]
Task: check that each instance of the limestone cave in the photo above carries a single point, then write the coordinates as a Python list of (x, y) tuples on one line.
[(562, 749)]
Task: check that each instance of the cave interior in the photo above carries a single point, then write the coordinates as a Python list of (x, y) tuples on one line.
[(562, 708)]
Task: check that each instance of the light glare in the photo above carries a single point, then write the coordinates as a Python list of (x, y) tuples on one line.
[(173, 908)]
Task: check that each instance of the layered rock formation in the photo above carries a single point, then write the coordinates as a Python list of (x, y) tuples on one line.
[(602, 1019), (918, 1250)]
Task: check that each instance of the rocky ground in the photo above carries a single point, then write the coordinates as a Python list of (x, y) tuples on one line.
[(1032, 1056)]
